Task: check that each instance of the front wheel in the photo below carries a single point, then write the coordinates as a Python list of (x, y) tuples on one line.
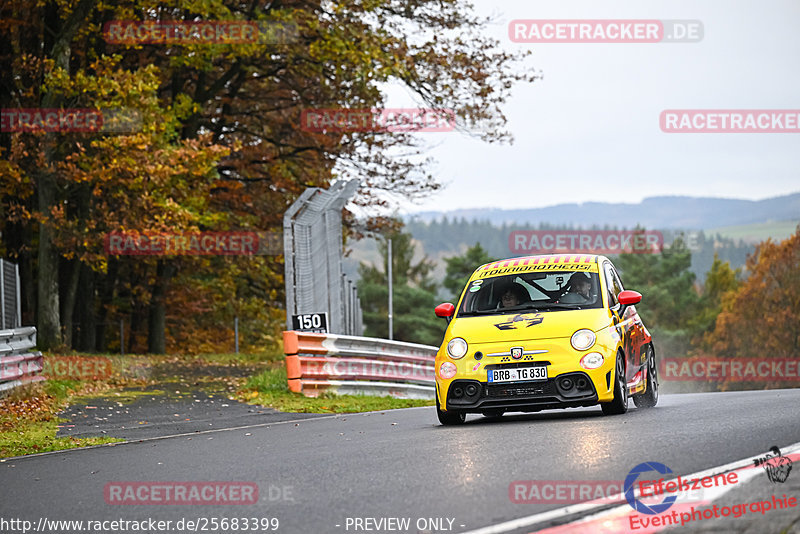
[(449, 418), (649, 398), (619, 405)]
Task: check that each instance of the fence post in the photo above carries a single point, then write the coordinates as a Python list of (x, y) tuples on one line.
[(236, 333), (19, 298), (3, 295), (389, 267)]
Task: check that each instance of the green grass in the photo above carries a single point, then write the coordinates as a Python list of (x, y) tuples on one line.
[(270, 388), (34, 437), (28, 423), (777, 230)]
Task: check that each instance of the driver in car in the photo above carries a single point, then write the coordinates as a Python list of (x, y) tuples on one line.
[(580, 287)]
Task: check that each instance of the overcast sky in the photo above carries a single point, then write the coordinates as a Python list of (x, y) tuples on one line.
[(589, 131)]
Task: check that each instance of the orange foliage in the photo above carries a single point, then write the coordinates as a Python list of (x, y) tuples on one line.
[(762, 317)]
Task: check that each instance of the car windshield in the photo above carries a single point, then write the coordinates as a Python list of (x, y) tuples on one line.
[(552, 291)]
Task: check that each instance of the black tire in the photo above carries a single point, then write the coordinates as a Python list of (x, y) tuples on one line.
[(498, 412), (452, 417), (649, 398), (619, 405)]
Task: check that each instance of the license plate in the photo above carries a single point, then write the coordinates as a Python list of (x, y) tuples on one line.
[(538, 372)]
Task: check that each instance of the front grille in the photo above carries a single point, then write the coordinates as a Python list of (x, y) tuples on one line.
[(514, 365), (517, 390)]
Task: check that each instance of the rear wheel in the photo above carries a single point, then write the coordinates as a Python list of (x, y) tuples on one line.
[(451, 417), (619, 405), (649, 398)]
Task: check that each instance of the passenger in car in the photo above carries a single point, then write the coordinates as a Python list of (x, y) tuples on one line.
[(513, 295)]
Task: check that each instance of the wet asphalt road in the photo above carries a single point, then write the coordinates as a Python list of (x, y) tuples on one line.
[(169, 410), (314, 474)]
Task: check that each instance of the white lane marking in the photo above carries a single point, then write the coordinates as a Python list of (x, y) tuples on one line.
[(508, 526)]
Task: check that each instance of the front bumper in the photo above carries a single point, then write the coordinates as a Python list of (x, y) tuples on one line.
[(535, 395)]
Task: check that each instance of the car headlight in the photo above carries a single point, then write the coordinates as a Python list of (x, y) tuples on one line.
[(593, 360), (582, 339), (457, 348), (447, 370)]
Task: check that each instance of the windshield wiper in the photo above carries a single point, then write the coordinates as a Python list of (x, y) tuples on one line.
[(522, 307), (478, 312), (562, 306), (500, 311)]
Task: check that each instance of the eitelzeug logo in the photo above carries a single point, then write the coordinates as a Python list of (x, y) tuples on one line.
[(776, 465), (639, 506)]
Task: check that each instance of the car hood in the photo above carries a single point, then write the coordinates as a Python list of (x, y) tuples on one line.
[(527, 326)]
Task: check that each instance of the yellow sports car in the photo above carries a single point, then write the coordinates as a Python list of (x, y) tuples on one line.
[(542, 332)]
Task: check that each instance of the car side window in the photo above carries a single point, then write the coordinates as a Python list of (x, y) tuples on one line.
[(617, 281), (612, 284)]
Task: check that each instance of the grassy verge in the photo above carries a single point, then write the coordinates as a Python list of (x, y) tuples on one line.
[(269, 388), (28, 422)]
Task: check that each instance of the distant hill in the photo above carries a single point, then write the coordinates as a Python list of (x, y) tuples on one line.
[(666, 212)]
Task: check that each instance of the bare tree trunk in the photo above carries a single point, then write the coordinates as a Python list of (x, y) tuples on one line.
[(68, 305), (47, 306), (85, 311), (47, 316), (106, 294), (157, 319)]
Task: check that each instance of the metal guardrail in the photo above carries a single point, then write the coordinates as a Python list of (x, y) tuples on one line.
[(18, 364), (353, 365)]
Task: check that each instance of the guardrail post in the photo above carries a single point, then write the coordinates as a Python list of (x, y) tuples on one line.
[(293, 372)]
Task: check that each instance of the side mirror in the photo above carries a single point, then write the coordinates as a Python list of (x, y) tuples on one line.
[(445, 310), (627, 298)]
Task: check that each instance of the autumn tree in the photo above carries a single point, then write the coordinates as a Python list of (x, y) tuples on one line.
[(762, 316), (720, 280), (220, 144)]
